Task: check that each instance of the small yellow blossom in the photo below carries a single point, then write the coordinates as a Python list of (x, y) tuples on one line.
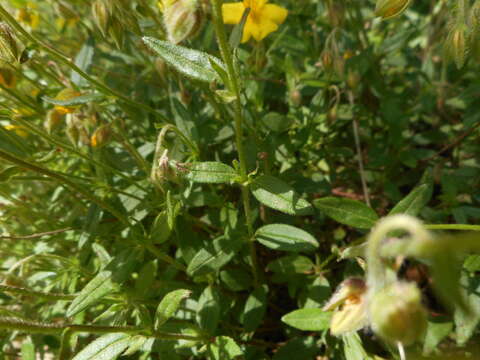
[(17, 129), (263, 18)]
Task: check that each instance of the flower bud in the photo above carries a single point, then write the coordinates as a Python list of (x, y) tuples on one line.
[(295, 97), (327, 60), (52, 120), (164, 171), (397, 313), (182, 19), (8, 46), (7, 78), (353, 79), (348, 303), (101, 136), (387, 9), (456, 44), (101, 16), (117, 32)]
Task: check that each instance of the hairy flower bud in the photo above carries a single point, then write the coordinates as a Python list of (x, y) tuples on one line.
[(349, 305), (101, 16), (7, 78), (387, 9), (397, 313), (182, 19), (52, 120), (8, 46), (101, 136), (456, 44)]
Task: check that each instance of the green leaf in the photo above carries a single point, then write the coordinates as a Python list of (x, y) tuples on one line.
[(437, 331), (146, 278), (213, 257), (237, 32), (9, 172), (208, 310), (169, 305), (96, 289), (191, 63), (300, 348), (280, 196), (255, 308), (347, 211), (107, 347), (353, 347), (414, 202), (79, 100), (161, 229), (286, 238), (28, 350), (291, 264), (466, 321), (83, 60), (310, 319), (224, 348), (211, 173)]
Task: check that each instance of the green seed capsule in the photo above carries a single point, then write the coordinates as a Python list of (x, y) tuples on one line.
[(182, 19), (8, 46), (397, 313), (388, 9)]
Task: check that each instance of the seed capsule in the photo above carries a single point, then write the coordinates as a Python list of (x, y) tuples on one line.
[(182, 19), (388, 9), (397, 314), (8, 46), (101, 16), (7, 78), (101, 136)]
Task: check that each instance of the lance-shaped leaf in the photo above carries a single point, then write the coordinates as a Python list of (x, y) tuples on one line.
[(347, 211), (211, 172), (191, 63), (308, 319), (78, 100), (285, 238), (107, 347), (169, 305), (280, 196)]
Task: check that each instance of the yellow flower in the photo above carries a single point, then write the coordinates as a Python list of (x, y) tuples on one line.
[(63, 95), (262, 20), (17, 129)]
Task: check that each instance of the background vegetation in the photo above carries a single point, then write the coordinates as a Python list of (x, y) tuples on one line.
[(160, 216)]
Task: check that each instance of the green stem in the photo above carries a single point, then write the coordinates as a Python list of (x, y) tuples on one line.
[(375, 268), (60, 178), (64, 60), (453, 227), (11, 323), (227, 57), (38, 294)]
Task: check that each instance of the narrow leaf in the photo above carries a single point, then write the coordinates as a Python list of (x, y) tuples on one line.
[(286, 238), (211, 173), (79, 100), (308, 319), (107, 347), (347, 211), (414, 202), (280, 196), (255, 308), (191, 63), (169, 305), (96, 289)]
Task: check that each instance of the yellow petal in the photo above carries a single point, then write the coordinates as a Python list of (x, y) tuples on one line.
[(275, 13), (248, 29), (260, 31), (232, 12)]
